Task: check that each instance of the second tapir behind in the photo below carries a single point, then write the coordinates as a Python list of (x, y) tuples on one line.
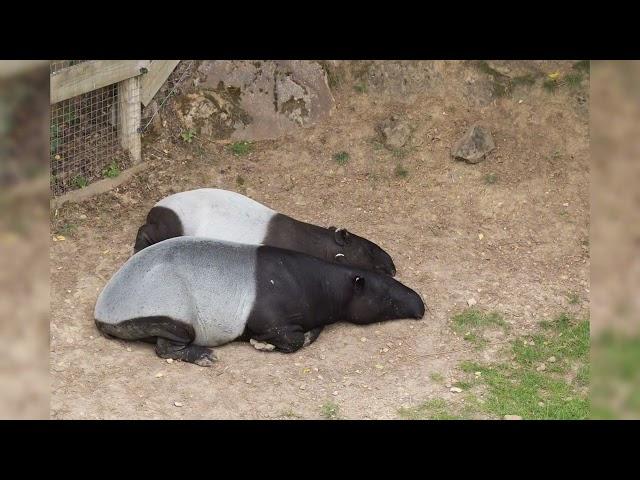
[(230, 216)]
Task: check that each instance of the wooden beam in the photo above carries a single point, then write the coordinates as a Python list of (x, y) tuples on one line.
[(159, 71), (91, 75), (129, 116)]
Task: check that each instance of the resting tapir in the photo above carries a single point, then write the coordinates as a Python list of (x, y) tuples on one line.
[(224, 215), (186, 294)]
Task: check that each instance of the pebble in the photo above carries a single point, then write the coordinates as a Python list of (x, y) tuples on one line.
[(91, 337), (379, 367), (363, 339), (302, 387), (541, 404), (83, 217), (159, 374), (541, 368), (177, 404), (169, 360), (512, 417), (455, 390), (477, 374), (128, 349), (471, 302), (335, 393), (248, 381), (551, 359), (385, 349)]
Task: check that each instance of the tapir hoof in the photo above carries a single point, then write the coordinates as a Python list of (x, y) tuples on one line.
[(207, 359)]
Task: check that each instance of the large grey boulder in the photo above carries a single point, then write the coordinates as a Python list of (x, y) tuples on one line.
[(256, 100), (474, 145)]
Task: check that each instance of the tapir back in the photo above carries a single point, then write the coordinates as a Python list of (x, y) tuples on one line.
[(220, 214), (207, 284)]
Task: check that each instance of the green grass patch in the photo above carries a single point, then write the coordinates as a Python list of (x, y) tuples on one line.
[(475, 318), (490, 178), (573, 80), (521, 388), (188, 136), (523, 80), (330, 411), (435, 409), (582, 66), (112, 171), (79, 181), (472, 322), (241, 148), (436, 377), (550, 85), (573, 298), (360, 87), (400, 171), (341, 158), (66, 230)]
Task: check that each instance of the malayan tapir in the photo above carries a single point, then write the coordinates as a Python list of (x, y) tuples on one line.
[(187, 294), (230, 216)]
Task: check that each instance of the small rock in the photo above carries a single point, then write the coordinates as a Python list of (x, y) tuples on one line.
[(541, 368), (385, 349), (248, 381), (159, 374), (448, 385), (455, 390), (128, 349), (335, 393), (551, 359), (471, 302), (477, 374), (177, 404), (363, 339), (474, 145), (83, 216), (541, 404), (512, 417), (302, 387), (395, 132)]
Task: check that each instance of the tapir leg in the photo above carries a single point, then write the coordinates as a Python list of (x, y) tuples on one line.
[(312, 335), (172, 338), (287, 339), (202, 356)]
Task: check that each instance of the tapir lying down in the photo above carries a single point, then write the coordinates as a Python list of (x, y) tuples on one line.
[(229, 216), (187, 294)]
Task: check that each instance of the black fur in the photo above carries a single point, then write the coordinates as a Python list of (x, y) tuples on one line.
[(162, 223), (172, 338), (298, 294)]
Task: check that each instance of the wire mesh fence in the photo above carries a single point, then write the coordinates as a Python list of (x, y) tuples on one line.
[(85, 144), (88, 131)]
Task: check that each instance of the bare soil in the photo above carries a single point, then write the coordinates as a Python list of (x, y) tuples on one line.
[(516, 242)]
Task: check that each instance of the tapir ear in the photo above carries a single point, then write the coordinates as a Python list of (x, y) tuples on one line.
[(358, 283), (342, 236)]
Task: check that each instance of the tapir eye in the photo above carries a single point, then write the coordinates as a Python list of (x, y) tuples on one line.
[(340, 256), (342, 236), (358, 283)]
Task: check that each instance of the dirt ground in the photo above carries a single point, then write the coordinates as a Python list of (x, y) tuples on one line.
[(510, 232)]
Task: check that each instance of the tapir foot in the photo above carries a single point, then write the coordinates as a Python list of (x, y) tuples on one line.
[(203, 356), (312, 335), (262, 346)]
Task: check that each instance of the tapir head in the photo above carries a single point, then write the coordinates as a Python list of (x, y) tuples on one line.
[(359, 252), (375, 297)]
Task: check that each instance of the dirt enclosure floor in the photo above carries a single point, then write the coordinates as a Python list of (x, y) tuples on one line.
[(510, 233)]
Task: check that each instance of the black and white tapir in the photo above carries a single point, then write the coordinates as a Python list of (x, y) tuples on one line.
[(187, 294), (229, 216)]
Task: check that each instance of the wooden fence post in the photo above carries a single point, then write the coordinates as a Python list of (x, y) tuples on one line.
[(129, 117)]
